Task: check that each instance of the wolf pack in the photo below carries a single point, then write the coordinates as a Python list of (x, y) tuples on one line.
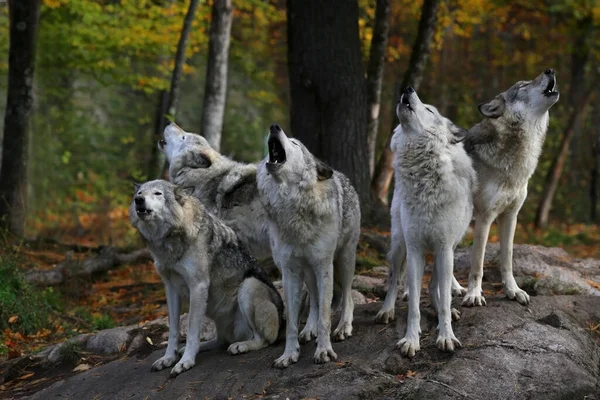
[(209, 227)]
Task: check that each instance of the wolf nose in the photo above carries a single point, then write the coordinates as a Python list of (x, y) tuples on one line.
[(275, 128), (139, 201), (409, 90), (549, 71)]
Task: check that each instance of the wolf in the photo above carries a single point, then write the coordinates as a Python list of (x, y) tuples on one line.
[(397, 254), (431, 209), (227, 188), (198, 256), (505, 147), (314, 226)]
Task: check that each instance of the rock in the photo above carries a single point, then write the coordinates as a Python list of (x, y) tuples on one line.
[(539, 270), (358, 298), (381, 271), (379, 243), (369, 284), (108, 341), (509, 351)]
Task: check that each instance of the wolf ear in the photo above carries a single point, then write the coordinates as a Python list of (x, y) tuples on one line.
[(493, 109), (197, 160), (181, 192), (324, 171), (136, 187), (458, 134)]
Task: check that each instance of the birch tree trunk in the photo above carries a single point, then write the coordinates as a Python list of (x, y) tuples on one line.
[(24, 18), (384, 171), (375, 75), (215, 91)]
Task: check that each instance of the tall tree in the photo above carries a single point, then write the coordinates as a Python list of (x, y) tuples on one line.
[(24, 18), (168, 101), (375, 74), (327, 86), (215, 91), (384, 170)]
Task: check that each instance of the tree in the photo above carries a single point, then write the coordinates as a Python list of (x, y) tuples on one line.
[(167, 107), (327, 86), (24, 20), (375, 74), (384, 170), (215, 91)]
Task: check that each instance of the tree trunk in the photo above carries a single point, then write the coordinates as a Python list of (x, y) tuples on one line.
[(375, 74), (413, 76), (594, 176), (24, 21), (155, 167), (555, 171), (328, 86), (215, 90), (167, 107)]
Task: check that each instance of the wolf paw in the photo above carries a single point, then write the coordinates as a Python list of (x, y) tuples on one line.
[(182, 366), (385, 316), (342, 332), (447, 342), (286, 360), (408, 347), (459, 291), (164, 362), (238, 348), (324, 355), (471, 300), (518, 294), (307, 334), (455, 314)]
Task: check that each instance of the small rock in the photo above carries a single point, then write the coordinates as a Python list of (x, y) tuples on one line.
[(358, 298)]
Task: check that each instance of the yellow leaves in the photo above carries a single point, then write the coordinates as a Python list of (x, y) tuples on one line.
[(82, 368), (52, 3), (13, 319)]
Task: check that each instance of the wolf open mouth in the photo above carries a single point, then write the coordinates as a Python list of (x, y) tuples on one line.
[(549, 91), (276, 150), (162, 143), (405, 100), (143, 211)]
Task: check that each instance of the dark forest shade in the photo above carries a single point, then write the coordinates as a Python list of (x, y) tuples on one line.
[(24, 21), (328, 86)]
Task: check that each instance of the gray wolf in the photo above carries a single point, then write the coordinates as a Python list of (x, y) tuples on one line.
[(227, 188), (505, 148), (431, 209), (314, 226), (397, 254), (199, 257)]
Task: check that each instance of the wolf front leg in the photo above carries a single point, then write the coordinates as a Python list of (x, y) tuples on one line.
[(444, 265), (196, 317), (173, 307), (396, 277), (507, 223), (292, 277), (474, 296), (324, 275), (409, 344)]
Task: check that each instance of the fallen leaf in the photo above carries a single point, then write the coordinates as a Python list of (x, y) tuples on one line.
[(411, 374), (13, 319), (149, 340), (81, 368), (23, 377)]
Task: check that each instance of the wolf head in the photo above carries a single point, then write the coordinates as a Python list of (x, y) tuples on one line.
[(186, 149), (525, 99), (290, 161), (156, 207), (417, 118)]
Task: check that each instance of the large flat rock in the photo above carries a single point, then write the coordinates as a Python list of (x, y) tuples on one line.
[(544, 351)]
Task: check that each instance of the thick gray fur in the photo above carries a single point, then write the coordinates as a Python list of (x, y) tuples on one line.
[(314, 225), (505, 148), (431, 210), (199, 257)]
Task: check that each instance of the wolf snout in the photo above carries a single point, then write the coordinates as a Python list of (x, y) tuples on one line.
[(162, 142), (275, 128), (409, 89), (549, 71), (139, 201)]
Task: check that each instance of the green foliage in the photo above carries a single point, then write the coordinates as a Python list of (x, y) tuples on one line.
[(100, 322), (31, 307)]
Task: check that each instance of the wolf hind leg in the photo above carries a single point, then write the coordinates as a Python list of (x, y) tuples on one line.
[(344, 265)]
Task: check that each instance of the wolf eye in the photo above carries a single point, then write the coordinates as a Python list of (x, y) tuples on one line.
[(429, 110), (293, 142), (183, 137), (157, 193)]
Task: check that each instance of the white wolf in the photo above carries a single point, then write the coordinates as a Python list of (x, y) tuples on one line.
[(198, 256), (431, 209), (314, 226), (505, 148)]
